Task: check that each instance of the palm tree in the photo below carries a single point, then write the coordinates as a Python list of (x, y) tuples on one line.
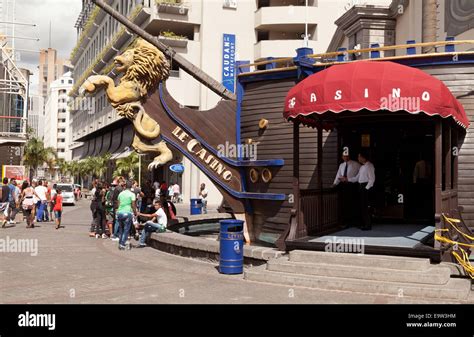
[(85, 168), (73, 169), (101, 164), (51, 160), (36, 155), (64, 167), (127, 166)]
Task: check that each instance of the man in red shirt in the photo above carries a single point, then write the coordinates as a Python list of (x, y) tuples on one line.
[(58, 207)]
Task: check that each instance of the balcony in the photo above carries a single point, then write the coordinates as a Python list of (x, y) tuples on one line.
[(280, 48), (175, 42), (271, 18), (172, 7)]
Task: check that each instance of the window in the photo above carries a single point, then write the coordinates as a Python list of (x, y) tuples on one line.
[(69, 81)]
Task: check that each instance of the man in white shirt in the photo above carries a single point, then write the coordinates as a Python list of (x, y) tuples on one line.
[(159, 225), (347, 170), (366, 180), (43, 202)]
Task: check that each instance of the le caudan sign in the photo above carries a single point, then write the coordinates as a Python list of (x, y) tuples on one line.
[(196, 150)]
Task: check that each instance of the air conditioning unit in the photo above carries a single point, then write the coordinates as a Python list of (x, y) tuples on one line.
[(230, 4)]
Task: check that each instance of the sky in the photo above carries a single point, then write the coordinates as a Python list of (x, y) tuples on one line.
[(61, 13)]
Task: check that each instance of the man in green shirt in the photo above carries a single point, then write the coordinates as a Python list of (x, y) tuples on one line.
[(125, 211)]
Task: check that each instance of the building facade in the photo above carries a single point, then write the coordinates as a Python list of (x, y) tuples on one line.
[(196, 30), (14, 86), (36, 115), (50, 68), (56, 117)]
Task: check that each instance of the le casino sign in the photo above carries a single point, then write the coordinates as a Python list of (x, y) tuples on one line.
[(198, 151)]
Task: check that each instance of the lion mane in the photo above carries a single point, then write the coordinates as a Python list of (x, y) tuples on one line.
[(149, 67)]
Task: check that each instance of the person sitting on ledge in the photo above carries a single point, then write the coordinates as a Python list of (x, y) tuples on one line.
[(151, 226)]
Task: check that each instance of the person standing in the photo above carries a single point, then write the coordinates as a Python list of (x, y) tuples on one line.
[(58, 207), (53, 192), (93, 208), (159, 225), (119, 187), (28, 202), (347, 170), (48, 201), (41, 191), (13, 201), (203, 196), (149, 195), (164, 189), (176, 193), (170, 192), (126, 209), (100, 220), (4, 202), (366, 179)]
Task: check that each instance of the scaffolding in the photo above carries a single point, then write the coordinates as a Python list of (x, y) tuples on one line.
[(13, 99)]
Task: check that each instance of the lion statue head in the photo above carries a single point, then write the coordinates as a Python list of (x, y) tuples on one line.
[(144, 65)]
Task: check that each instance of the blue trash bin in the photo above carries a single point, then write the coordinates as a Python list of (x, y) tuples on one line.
[(196, 206), (231, 260)]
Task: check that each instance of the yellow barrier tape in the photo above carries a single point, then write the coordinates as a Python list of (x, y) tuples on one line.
[(451, 220), (464, 259)]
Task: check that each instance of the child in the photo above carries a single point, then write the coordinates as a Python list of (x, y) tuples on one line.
[(58, 207)]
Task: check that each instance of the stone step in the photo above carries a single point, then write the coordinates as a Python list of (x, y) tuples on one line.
[(360, 260), (434, 275), (455, 289)]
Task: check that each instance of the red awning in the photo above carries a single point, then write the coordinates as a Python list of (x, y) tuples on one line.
[(371, 85)]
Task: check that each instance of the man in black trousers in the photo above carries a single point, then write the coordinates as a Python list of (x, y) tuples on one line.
[(347, 170), (366, 180)]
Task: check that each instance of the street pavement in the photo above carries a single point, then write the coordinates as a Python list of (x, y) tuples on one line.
[(71, 267)]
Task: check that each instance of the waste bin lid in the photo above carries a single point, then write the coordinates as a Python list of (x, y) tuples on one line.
[(231, 222)]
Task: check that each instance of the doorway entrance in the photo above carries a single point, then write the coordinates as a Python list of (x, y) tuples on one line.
[(403, 156)]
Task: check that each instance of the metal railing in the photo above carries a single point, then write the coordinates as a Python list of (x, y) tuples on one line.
[(320, 209), (343, 55)]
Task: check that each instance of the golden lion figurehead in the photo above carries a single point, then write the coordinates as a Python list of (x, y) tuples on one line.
[(144, 65)]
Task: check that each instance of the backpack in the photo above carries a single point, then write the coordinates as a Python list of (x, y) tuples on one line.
[(109, 203)]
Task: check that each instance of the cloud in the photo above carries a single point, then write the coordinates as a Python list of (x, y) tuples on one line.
[(61, 13)]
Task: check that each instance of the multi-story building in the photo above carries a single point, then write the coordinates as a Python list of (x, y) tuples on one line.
[(36, 115), (196, 29), (56, 118), (50, 68), (14, 84)]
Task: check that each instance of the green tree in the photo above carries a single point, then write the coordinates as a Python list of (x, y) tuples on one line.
[(36, 154), (73, 169), (101, 164), (127, 166)]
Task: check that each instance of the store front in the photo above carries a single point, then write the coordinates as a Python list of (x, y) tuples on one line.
[(408, 124)]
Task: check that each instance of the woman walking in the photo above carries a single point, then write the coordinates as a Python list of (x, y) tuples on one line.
[(27, 201)]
